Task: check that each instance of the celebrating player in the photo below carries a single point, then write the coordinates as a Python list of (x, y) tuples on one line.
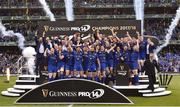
[(92, 58), (69, 62), (52, 63), (60, 63), (102, 64), (78, 59)]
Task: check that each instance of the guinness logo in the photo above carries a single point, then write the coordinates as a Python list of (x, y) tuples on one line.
[(46, 28), (45, 92), (121, 67), (121, 70)]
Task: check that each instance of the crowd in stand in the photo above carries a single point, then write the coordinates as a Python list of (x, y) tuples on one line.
[(170, 65), (82, 2), (170, 60), (156, 28), (26, 29), (159, 28), (8, 60)]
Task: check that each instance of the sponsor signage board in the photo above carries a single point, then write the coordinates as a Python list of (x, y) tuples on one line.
[(73, 91), (88, 27)]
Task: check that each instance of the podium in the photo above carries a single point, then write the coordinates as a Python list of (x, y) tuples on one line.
[(122, 74)]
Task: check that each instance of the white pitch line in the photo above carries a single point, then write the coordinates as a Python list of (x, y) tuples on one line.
[(71, 105)]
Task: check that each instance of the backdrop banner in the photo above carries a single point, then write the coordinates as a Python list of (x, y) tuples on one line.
[(79, 91), (88, 27)]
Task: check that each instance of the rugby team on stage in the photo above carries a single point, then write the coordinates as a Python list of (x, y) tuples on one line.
[(96, 57)]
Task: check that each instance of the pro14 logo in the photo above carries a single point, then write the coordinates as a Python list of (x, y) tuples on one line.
[(83, 28), (97, 93)]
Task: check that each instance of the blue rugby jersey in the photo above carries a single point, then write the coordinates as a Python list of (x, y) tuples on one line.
[(52, 59), (134, 56), (126, 55), (85, 58), (142, 47), (109, 56), (92, 58), (117, 57), (61, 60), (78, 58), (102, 56), (69, 58)]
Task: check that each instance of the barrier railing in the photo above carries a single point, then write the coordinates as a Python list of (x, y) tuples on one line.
[(21, 66), (123, 16), (92, 5)]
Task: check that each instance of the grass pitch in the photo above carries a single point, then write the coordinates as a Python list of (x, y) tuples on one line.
[(170, 100)]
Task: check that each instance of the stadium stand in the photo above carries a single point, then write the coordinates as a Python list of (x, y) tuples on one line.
[(23, 16)]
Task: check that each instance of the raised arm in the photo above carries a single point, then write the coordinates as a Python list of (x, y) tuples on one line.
[(150, 42), (36, 38), (137, 44), (111, 48), (61, 56), (114, 34), (98, 61), (138, 35), (45, 53), (129, 47), (127, 33), (71, 48), (98, 35)]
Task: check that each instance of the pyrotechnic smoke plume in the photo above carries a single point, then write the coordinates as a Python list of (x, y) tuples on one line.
[(28, 52), (169, 32), (69, 10), (47, 10), (139, 11), (10, 33)]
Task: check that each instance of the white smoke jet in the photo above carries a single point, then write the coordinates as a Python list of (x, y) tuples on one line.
[(169, 33), (69, 10), (139, 11), (10, 33), (29, 53), (47, 10)]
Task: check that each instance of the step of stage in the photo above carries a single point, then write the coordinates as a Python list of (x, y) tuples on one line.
[(16, 91), (142, 76), (25, 82), (150, 91), (134, 86), (163, 93), (25, 87), (147, 80), (29, 76), (6, 93)]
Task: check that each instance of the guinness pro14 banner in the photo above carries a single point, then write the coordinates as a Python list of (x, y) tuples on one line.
[(88, 27), (78, 91)]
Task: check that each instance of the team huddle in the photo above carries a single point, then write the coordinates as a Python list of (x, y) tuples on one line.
[(95, 58)]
